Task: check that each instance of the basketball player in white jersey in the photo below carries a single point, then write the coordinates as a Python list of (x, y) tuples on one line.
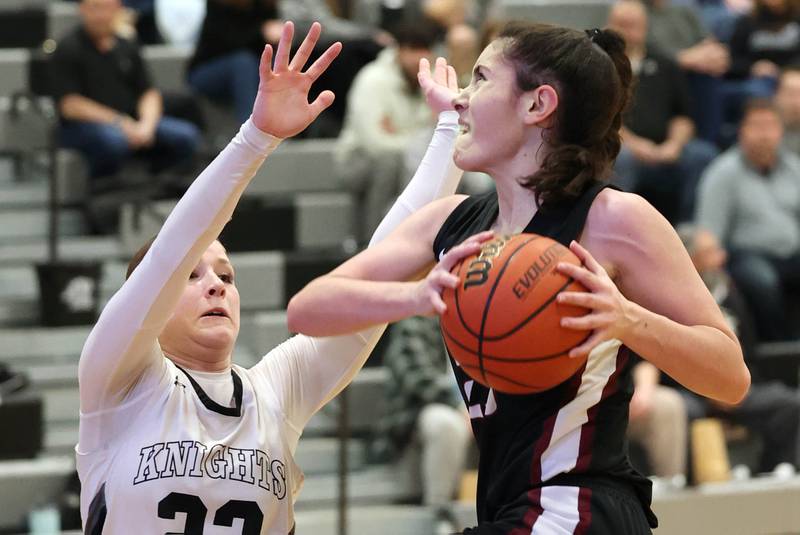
[(175, 438)]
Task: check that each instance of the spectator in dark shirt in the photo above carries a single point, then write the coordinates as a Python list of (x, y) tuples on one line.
[(762, 43), (108, 106), (225, 63), (660, 157)]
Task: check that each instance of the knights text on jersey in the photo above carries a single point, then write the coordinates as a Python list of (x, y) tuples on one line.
[(181, 463)]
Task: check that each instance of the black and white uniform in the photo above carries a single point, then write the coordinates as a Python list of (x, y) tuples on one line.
[(166, 450), (554, 462)]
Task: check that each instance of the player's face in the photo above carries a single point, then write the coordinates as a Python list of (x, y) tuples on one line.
[(208, 310), (488, 108)]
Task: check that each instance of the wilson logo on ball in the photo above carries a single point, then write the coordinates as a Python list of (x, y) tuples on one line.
[(478, 269)]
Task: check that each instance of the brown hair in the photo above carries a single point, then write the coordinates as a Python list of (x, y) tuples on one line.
[(592, 76), (759, 104), (137, 257)]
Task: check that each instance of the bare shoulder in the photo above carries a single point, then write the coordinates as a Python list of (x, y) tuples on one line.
[(623, 230), (427, 221)]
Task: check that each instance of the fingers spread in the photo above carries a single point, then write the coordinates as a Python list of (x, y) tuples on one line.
[(580, 274), (284, 46), (440, 71), (452, 78), (306, 47), (585, 348), (324, 61), (585, 256), (322, 101), (265, 67)]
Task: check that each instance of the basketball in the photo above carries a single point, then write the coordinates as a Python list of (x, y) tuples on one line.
[(502, 323)]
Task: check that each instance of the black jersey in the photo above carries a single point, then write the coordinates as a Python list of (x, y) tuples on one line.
[(544, 453)]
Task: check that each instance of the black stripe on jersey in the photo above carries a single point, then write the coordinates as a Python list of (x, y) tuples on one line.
[(212, 405), (96, 517)]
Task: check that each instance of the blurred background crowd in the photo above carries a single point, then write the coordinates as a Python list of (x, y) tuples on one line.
[(109, 108)]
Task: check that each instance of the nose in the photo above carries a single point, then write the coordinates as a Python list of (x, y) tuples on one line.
[(217, 287), (461, 100)]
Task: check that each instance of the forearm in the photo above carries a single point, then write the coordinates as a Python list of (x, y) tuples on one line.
[(116, 351), (702, 358), (680, 132), (79, 108), (150, 108), (368, 303)]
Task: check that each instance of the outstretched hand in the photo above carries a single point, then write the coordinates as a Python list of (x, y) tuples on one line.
[(281, 107), (441, 88)]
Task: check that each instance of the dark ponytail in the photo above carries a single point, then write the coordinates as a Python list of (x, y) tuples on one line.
[(592, 76)]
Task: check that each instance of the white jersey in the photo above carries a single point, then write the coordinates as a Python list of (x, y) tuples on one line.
[(159, 450)]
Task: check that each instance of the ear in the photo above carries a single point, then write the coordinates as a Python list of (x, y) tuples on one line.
[(539, 106)]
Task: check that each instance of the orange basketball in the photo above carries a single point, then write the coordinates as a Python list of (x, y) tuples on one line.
[(502, 323)]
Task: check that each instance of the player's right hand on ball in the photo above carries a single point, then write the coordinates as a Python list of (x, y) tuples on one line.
[(281, 107), (427, 293)]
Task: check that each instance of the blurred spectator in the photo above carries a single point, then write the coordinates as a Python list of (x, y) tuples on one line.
[(762, 43), (108, 106), (385, 109), (750, 200), (660, 158), (225, 63), (425, 425), (461, 38), (179, 21), (771, 409), (658, 422), (788, 101), (145, 20), (678, 32)]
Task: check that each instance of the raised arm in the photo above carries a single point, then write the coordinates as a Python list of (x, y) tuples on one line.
[(123, 344)]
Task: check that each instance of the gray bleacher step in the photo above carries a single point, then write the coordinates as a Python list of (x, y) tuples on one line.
[(23, 195), (262, 331), (21, 224), (317, 456), (70, 248), (374, 485), (298, 165), (18, 312), (43, 343), (377, 519), (60, 439)]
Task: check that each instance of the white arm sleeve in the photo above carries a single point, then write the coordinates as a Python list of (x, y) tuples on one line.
[(308, 372), (123, 344)]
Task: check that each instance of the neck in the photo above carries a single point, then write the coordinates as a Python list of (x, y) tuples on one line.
[(517, 203), (201, 359)]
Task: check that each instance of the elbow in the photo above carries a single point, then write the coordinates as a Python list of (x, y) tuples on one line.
[(294, 315)]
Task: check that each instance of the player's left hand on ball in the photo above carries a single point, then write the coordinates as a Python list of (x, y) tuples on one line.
[(427, 293), (607, 316)]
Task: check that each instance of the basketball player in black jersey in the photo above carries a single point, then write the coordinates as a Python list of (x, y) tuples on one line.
[(542, 117)]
